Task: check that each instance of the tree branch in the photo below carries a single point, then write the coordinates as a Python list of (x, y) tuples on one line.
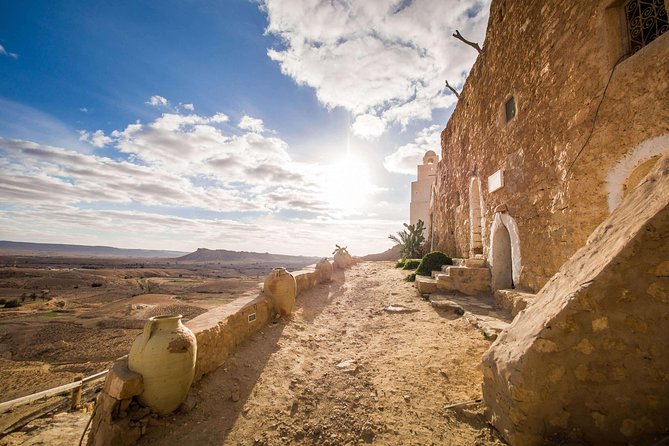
[(457, 95), (474, 45)]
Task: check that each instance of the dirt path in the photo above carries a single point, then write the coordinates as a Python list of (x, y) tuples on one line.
[(342, 370)]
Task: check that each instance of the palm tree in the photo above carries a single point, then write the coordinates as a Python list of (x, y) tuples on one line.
[(410, 240)]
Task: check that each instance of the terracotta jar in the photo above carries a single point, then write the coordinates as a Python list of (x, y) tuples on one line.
[(324, 269), (342, 260), (164, 354), (281, 287)]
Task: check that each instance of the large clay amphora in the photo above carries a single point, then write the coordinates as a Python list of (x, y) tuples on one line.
[(342, 260), (324, 269), (281, 287), (165, 357)]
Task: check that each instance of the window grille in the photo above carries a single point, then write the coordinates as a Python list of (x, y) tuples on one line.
[(646, 21)]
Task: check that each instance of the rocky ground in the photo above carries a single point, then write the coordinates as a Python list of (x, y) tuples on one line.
[(344, 370)]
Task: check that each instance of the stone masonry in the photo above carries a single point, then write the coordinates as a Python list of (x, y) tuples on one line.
[(589, 360), (590, 120)]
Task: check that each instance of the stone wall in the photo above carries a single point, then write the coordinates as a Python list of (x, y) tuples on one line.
[(588, 361), (555, 58), (120, 420)]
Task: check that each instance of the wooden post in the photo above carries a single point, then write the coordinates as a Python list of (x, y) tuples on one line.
[(75, 399)]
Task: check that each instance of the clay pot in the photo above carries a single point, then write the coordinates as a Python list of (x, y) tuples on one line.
[(281, 287), (164, 354), (342, 260), (324, 269)]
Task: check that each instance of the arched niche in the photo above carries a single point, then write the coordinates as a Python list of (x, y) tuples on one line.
[(632, 168), (504, 255), (475, 218)]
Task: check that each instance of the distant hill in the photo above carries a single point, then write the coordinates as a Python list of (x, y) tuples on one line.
[(54, 249), (391, 254), (223, 255)]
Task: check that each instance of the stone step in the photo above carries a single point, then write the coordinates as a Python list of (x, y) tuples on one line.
[(489, 325), (466, 280), (512, 300), (425, 285)]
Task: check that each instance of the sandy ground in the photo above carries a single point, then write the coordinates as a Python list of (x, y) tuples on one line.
[(341, 371)]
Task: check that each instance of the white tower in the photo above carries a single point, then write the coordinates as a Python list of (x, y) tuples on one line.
[(421, 189)]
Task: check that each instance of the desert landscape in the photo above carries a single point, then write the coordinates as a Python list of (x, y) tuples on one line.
[(75, 315)]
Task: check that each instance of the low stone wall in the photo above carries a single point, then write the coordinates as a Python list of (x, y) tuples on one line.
[(588, 361), (120, 420)]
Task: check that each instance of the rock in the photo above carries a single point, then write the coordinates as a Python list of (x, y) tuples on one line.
[(445, 304), (395, 308), (121, 382), (347, 366), (189, 404), (235, 394)]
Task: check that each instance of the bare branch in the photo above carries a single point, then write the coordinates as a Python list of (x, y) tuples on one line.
[(457, 95), (474, 45)]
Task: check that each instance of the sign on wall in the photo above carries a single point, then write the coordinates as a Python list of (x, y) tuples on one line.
[(496, 181)]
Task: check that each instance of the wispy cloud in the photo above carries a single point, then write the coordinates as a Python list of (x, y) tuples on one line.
[(386, 60), (158, 101), (97, 138), (162, 174), (251, 124), (407, 157), (4, 52)]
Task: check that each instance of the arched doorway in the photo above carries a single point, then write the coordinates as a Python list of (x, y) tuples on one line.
[(502, 261), (475, 217)]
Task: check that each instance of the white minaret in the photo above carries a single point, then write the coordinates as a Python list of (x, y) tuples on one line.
[(421, 189)]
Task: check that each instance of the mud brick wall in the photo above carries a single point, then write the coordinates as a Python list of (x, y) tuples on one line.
[(589, 360), (555, 58)]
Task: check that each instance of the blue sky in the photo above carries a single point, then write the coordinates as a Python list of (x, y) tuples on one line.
[(280, 125)]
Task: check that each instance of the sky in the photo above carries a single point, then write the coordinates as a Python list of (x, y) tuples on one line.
[(284, 126)]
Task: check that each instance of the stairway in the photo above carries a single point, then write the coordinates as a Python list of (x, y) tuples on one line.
[(468, 276)]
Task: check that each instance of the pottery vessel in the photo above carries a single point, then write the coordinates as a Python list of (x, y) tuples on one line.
[(324, 269), (164, 354), (342, 260), (281, 287)]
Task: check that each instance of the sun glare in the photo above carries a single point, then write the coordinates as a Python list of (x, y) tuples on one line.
[(347, 184)]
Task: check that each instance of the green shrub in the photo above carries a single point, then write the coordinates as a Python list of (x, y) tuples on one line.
[(400, 263), (12, 303), (410, 278), (433, 262), (411, 264)]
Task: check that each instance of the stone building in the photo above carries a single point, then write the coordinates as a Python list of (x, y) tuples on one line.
[(421, 190), (564, 111), (555, 167)]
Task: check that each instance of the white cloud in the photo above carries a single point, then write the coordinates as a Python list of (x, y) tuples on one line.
[(368, 126), (158, 101), (190, 107), (83, 110), (4, 52), (407, 157), (251, 124), (97, 138), (219, 118), (386, 59)]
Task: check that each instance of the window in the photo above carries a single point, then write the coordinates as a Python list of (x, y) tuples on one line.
[(646, 21), (510, 109)]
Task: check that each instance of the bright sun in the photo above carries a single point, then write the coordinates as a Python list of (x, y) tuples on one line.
[(347, 184)]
